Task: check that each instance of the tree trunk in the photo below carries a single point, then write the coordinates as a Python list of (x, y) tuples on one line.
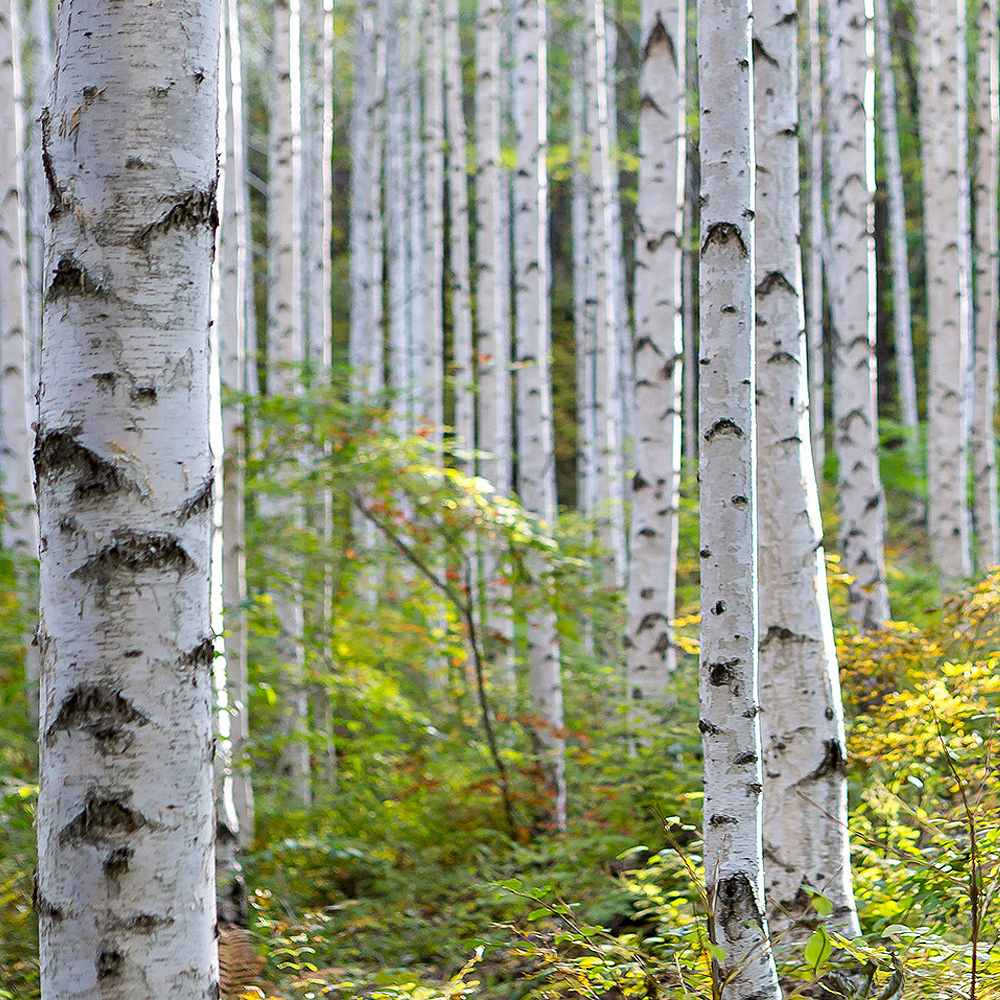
[(19, 530), (651, 655), (125, 893), (728, 682), (851, 281), (536, 468), (984, 466), (805, 780), (944, 149)]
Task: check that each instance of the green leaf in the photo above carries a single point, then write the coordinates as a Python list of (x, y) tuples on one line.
[(818, 948)]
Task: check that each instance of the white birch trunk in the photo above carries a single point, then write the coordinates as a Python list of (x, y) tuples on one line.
[(689, 281), (814, 286), (987, 273), (608, 472), (944, 149), (901, 325), (728, 683), (492, 324), (285, 352), (536, 468), (651, 655), (458, 213), (851, 281), (805, 778), (125, 894), (235, 334)]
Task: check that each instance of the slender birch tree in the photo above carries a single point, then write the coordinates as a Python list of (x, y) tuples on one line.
[(650, 651), (987, 273), (851, 281), (125, 893), (805, 778), (727, 469), (906, 380), (286, 353), (944, 149), (19, 534), (536, 466)]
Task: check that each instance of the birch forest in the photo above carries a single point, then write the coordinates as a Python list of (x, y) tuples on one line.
[(500, 500)]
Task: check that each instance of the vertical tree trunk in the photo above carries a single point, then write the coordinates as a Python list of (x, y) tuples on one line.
[(944, 149), (805, 780), (814, 286), (728, 685), (901, 326), (235, 333), (125, 893), (689, 286), (536, 466), (19, 530), (650, 652), (984, 466), (851, 281), (285, 353)]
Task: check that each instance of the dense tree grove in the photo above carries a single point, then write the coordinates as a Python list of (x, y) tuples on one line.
[(500, 499)]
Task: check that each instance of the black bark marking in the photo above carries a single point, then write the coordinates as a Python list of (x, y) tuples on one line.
[(746, 758), (724, 426), (775, 281), (739, 501), (651, 620), (102, 713), (57, 194), (102, 818), (59, 453), (143, 395), (777, 633), (201, 656), (720, 819), (132, 552), (724, 233), (189, 210), (200, 502), (136, 163), (761, 54), (706, 728), (755, 788), (783, 356), (720, 607), (736, 906), (752, 713), (659, 35), (705, 553), (638, 483), (144, 922), (109, 964), (117, 863), (662, 644), (722, 672), (43, 907), (834, 761), (71, 278)]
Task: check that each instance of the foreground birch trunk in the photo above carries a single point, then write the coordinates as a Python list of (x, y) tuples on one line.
[(536, 471), (987, 273), (125, 893), (944, 148), (726, 420), (19, 534), (651, 655), (805, 778), (851, 280)]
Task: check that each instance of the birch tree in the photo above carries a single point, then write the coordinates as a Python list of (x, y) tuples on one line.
[(805, 779), (125, 893), (650, 651), (729, 720), (19, 534), (987, 273), (851, 281), (536, 468), (944, 150)]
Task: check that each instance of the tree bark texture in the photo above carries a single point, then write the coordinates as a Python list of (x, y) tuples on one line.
[(651, 655), (944, 153), (851, 282), (729, 720), (125, 890), (802, 733)]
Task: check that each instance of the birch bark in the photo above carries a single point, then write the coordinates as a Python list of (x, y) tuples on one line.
[(805, 779), (536, 468), (728, 679), (125, 891), (851, 282), (650, 651), (19, 531), (944, 150), (987, 274), (285, 353)]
